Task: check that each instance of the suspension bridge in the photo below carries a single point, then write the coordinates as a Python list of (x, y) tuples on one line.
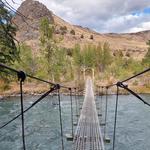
[(88, 135)]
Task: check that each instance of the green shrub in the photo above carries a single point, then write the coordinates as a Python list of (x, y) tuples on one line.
[(63, 28), (91, 37), (82, 36), (72, 32), (127, 54)]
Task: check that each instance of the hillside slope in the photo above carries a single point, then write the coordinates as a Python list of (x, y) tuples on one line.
[(133, 43)]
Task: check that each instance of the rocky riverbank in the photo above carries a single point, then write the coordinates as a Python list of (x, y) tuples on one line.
[(38, 89)]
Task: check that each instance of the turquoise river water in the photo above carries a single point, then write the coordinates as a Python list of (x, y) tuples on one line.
[(42, 128)]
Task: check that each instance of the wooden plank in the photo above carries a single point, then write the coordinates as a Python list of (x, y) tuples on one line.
[(88, 134)]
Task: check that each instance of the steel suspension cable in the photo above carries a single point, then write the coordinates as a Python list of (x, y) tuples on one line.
[(16, 71), (101, 99), (106, 112), (76, 104), (60, 117), (21, 77), (125, 80), (30, 76), (24, 18), (115, 123), (37, 101), (71, 111), (120, 84), (136, 75), (6, 72)]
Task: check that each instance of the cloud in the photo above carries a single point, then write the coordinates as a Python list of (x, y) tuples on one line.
[(14, 3), (140, 27), (103, 15), (127, 23)]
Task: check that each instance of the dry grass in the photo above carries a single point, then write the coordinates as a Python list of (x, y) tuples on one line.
[(134, 43), (28, 88)]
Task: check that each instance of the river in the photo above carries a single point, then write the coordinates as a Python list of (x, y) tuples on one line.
[(42, 128)]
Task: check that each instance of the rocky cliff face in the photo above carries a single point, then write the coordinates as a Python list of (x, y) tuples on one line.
[(28, 23), (134, 44)]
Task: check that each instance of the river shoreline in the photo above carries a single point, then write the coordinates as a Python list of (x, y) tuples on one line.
[(35, 89), (5, 96)]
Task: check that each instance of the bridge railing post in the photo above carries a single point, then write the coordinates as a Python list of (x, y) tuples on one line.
[(21, 78), (115, 123), (71, 112), (60, 116), (76, 104)]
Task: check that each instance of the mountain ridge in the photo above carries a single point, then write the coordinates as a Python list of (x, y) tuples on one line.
[(133, 43)]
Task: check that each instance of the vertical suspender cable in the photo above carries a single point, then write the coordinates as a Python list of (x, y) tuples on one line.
[(101, 97), (71, 111), (21, 78), (115, 123), (76, 103), (106, 112), (102, 100), (60, 117), (99, 100)]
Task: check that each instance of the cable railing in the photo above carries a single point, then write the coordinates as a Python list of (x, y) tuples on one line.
[(122, 85), (72, 90), (54, 87)]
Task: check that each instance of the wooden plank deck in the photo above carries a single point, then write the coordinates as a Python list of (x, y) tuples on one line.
[(88, 133)]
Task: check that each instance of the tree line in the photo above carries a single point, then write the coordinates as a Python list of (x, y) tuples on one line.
[(59, 64)]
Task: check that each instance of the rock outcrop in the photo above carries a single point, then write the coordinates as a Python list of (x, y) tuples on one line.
[(28, 18), (133, 44)]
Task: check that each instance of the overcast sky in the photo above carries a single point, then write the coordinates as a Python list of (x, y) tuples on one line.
[(102, 15)]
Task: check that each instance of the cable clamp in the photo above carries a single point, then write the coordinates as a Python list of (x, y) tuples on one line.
[(21, 76), (120, 84), (56, 86)]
